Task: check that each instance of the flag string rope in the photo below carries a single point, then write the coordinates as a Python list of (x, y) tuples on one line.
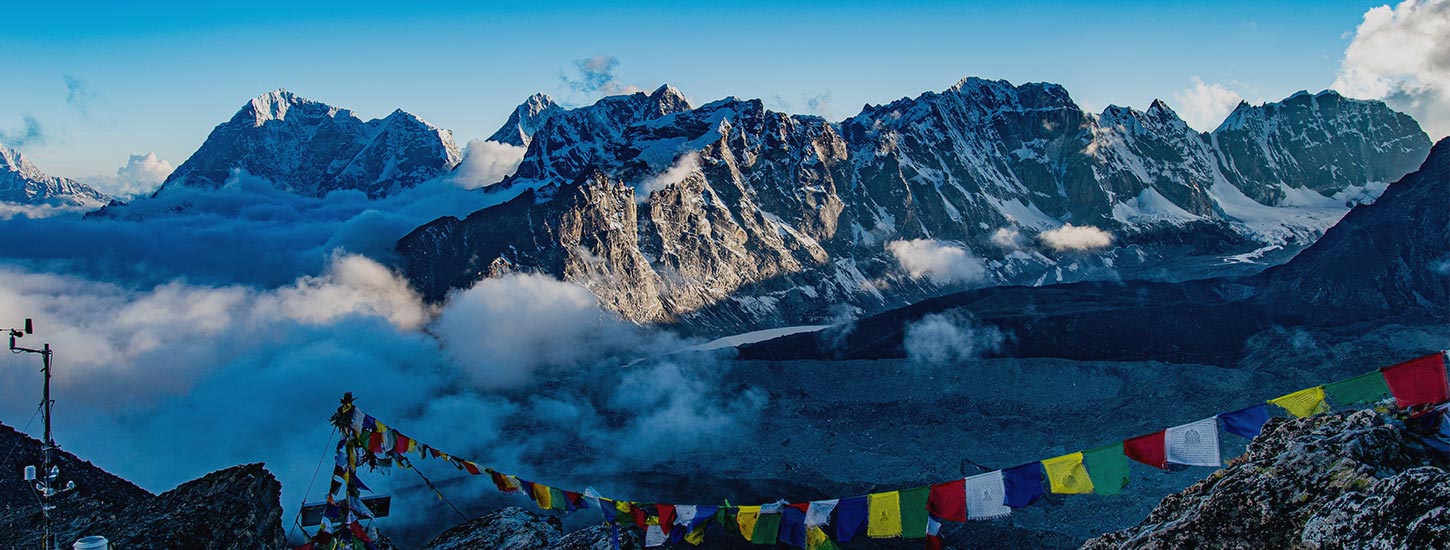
[(913, 513)]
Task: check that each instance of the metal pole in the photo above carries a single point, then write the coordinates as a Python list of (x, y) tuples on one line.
[(45, 450)]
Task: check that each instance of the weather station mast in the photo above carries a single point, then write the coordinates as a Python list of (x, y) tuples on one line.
[(49, 475)]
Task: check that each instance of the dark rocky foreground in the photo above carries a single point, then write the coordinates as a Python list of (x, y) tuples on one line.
[(238, 507), (1343, 480)]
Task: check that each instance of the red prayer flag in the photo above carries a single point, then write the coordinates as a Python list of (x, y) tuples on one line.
[(1147, 449), (401, 445), (500, 482), (1418, 382), (575, 500), (802, 506), (948, 500), (637, 512), (934, 542), (471, 467), (375, 442), (667, 516)]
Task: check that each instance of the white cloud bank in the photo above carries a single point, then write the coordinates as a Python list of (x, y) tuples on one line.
[(1076, 237), (1401, 54), (942, 262), (1204, 106), (141, 175), (486, 163)]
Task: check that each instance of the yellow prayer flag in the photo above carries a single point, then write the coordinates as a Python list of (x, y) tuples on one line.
[(695, 537), (885, 515), (542, 496), (1303, 403), (745, 518), (1067, 475), (815, 537)]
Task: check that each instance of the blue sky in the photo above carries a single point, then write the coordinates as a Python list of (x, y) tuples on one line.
[(158, 78)]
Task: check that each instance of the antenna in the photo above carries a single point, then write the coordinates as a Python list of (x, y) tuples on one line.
[(43, 484)]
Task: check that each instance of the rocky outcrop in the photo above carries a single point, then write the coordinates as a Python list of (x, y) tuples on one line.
[(1357, 479), (311, 148), (514, 528), (236, 508), (748, 217)]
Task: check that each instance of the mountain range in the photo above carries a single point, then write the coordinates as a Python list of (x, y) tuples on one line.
[(23, 183), (730, 215)]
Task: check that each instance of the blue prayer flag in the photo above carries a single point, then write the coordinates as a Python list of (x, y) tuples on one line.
[(793, 527), (851, 515), (1023, 484), (1246, 422)]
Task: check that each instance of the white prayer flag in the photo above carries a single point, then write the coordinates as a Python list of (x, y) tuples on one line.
[(654, 536), (819, 512), (684, 514), (1193, 444), (772, 508), (933, 527), (986, 496)]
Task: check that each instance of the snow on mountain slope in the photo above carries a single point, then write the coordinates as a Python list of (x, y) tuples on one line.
[(742, 216), (27, 189), (312, 148)]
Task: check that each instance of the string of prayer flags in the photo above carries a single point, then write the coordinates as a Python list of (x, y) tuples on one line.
[(885, 520), (1246, 422), (1107, 467), (986, 496), (793, 527), (819, 512), (948, 501), (1066, 475), (851, 518), (913, 512), (1302, 403), (1193, 444), (1366, 388), (1023, 484), (1147, 449), (1419, 381)]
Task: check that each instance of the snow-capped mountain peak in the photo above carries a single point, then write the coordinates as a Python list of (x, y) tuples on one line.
[(21, 182)]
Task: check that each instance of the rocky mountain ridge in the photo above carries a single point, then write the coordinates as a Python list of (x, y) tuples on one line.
[(311, 148), (738, 216), (23, 183)]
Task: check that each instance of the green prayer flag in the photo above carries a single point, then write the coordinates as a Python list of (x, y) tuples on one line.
[(1107, 466), (557, 500), (726, 515), (767, 529), (913, 512), (1365, 388)]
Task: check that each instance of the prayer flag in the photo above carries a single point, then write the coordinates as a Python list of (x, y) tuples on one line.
[(654, 536), (640, 517), (500, 481), (622, 512), (1302, 403), (819, 512), (1194, 444), (1246, 422), (1107, 466), (472, 468), (557, 500), (816, 539), (729, 521), (667, 516), (933, 534), (375, 442), (1418, 382), (684, 514), (1023, 484), (402, 443), (851, 518), (767, 528), (885, 520), (746, 517), (1147, 449), (986, 496), (542, 496), (1066, 474), (1363, 389), (913, 512), (793, 527), (573, 501), (948, 500)]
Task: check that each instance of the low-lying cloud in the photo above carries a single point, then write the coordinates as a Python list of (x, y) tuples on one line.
[(682, 168), (949, 338), (486, 163), (939, 261), (1204, 106), (1071, 237), (141, 175)]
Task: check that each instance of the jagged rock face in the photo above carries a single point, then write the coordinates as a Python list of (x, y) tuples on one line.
[(1343, 480), (312, 148), (511, 528), (236, 508), (749, 217), (1302, 142), (526, 120), (21, 182)]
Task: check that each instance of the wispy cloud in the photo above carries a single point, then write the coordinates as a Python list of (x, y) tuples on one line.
[(78, 94), (1204, 105), (596, 76), (29, 133)]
